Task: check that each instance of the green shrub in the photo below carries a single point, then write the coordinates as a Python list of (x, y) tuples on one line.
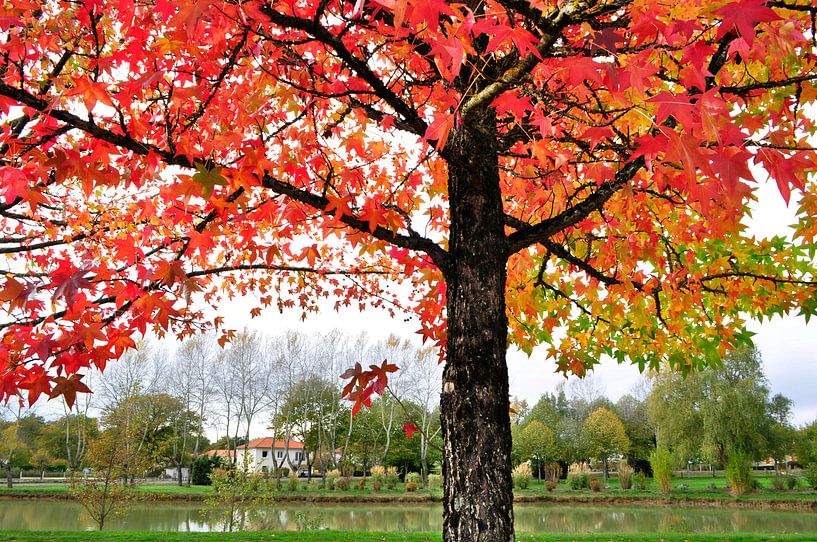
[(810, 474), (792, 482), (391, 477), (202, 467), (639, 481), (413, 477), (625, 475), (779, 482), (332, 478), (739, 474), (661, 463), (550, 485), (293, 484), (378, 473), (578, 476), (522, 475)]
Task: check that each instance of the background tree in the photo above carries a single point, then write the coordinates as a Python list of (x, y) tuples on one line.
[(526, 167), (10, 445), (537, 444), (605, 436), (634, 414), (105, 493), (41, 460), (719, 411)]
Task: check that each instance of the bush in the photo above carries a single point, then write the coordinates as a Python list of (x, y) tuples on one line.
[(342, 484), (411, 486), (293, 484), (779, 482), (201, 469), (595, 485), (361, 485), (413, 477), (792, 482), (550, 485), (661, 463), (578, 476), (347, 468), (376, 485), (435, 480), (810, 474), (378, 473), (639, 481), (739, 474), (391, 477), (522, 475), (625, 475), (332, 478)]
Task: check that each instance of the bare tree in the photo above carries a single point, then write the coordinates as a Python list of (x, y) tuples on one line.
[(188, 381)]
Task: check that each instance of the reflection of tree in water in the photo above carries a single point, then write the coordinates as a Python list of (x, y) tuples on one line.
[(62, 515)]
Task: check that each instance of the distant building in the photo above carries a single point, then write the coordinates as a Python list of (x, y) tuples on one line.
[(265, 455)]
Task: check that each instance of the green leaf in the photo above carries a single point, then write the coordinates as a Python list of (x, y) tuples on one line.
[(208, 178)]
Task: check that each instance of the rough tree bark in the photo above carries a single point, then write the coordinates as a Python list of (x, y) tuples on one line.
[(478, 491)]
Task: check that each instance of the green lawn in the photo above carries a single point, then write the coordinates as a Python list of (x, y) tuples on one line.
[(347, 536)]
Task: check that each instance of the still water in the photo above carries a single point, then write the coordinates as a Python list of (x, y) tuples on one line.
[(63, 515)]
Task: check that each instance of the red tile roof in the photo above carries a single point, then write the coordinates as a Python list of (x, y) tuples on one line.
[(280, 444)]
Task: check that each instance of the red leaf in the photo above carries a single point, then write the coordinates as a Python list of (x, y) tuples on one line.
[(410, 429), (743, 16)]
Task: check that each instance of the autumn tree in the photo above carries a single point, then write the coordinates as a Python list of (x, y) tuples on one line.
[(527, 167)]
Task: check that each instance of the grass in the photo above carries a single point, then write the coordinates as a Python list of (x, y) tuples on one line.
[(349, 536)]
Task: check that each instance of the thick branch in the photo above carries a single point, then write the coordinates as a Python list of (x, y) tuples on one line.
[(570, 217), (412, 242)]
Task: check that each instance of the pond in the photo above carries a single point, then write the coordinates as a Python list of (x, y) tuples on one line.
[(66, 515)]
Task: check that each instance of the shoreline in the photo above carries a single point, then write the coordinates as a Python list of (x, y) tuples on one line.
[(749, 502)]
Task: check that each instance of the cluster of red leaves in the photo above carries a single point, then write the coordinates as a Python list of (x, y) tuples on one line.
[(149, 146)]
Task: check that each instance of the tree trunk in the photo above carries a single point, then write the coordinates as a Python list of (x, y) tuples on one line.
[(9, 479), (478, 490), (605, 470)]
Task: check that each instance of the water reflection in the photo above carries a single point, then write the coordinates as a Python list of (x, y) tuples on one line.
[(61, 515)]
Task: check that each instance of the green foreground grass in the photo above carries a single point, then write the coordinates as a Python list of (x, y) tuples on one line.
[(350, 536)]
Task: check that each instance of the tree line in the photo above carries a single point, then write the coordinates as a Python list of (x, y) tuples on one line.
[(702, 419), (154, 408)]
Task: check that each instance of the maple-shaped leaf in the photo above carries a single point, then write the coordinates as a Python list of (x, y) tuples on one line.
[(208, 179), (36, 382), (439, 129), (68, 387), (68, 281), (743, 16), (410, 429)]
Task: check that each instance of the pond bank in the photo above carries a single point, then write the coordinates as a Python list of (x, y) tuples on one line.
[(777, 501)]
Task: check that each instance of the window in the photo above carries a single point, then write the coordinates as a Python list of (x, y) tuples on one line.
[(264, 453), (299, 456), (280, 454)]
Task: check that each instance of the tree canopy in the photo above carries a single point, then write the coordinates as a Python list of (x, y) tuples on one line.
[(570, 173)]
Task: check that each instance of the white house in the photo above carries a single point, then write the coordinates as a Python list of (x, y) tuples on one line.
[(264, 455)]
